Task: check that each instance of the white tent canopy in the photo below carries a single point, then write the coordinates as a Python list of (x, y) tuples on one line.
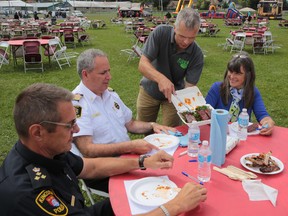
[(94, 4), (18, 4), (247, 9)]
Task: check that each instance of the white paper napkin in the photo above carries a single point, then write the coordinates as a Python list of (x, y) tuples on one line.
[(134, 207), (258, 191)]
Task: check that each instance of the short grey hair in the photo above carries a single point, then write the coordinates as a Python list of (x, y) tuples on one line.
[(190, 17), (39, 102), (86, 60)]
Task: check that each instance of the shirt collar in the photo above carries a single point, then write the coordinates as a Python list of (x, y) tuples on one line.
[(33, 158), (89, 94)]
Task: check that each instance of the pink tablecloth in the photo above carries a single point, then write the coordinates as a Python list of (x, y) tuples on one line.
[(225, 196)]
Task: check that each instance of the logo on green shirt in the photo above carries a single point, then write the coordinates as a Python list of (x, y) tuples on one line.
[(183, 63)]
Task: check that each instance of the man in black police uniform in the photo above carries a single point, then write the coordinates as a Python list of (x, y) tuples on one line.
[(39, 175)]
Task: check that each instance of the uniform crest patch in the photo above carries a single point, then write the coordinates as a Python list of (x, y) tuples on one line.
[(116, 105), (78, 111), (50, 203)]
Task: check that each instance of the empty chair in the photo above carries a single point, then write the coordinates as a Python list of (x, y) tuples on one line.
[(134, 52), (238, 42), (213, 32), (32, 55), (4, 57), (258, 43), (69, 37), (59, 54), (228, 44), (83, 37)]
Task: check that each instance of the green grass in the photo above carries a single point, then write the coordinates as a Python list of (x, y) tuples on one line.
[(271, 73)]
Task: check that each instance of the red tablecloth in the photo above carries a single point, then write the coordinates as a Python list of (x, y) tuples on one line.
[(225, 196)]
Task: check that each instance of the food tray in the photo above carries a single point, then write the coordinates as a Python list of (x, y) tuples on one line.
[(189, 98)]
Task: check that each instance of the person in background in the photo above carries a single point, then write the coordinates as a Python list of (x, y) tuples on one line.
[(238, 91), (171, 61), (40, 175), (103, 118)]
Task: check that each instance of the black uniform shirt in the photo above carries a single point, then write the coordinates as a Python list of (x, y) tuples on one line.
[(31, 184)]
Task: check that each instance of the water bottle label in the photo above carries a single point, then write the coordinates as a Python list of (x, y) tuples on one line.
[(209, 157), (201, 158), (243, 122), (195, 137)]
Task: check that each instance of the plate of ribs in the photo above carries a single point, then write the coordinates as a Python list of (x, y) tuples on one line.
[(262, 163), (191, 106)]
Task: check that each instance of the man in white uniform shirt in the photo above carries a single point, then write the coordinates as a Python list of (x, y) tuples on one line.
[(102, 117)]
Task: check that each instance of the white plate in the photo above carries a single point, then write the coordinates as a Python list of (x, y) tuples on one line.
[(234, 127), (162, 141), (256, 169), (191, 96), (152, 191)]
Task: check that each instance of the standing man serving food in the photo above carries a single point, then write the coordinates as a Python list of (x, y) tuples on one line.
[(171, 60)]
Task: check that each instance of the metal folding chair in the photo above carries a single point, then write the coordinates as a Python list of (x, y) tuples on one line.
[(32, 55), (59, 54), (4, 56)]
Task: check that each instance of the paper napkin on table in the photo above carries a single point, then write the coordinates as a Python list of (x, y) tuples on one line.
[(258, 191), (134, 207)]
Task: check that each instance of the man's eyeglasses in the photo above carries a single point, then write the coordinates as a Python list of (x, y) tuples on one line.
[(70, 125)]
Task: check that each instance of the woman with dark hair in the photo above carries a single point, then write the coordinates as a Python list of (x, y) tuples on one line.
[(238, 91)]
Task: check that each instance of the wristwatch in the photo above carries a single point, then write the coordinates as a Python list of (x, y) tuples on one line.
[(141, 161)]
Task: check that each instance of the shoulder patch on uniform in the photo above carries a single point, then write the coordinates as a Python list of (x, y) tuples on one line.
[(39, 176), (78, 111), (111, 89), (50, 203), (77, 97)]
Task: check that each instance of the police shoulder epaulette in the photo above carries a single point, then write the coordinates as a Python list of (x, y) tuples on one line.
[(111, 89), (77, 97), (39, 176)]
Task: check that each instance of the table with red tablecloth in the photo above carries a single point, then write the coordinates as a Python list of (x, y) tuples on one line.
[(225, 196)]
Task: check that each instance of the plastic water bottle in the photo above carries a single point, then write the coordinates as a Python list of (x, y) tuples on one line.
[(193, 140), (243, 122), (204, 162)]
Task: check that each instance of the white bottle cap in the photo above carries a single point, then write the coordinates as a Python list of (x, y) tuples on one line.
[(205, 142)]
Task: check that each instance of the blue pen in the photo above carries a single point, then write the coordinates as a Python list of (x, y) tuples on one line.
[(193, 160), (191, 177), (263, 126)]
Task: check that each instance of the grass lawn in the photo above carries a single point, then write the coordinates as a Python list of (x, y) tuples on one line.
[(271, 70)]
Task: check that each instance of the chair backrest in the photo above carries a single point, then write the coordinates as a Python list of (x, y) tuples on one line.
[(31, 47)]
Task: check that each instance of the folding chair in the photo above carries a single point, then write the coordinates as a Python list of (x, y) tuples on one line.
[(238, 42), (134, 52), (59, 54), (258, 43), (4, 57), (32, 55), (83, 37), (69, 37)]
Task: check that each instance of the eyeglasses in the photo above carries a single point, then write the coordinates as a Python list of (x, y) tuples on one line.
[(70, 125)]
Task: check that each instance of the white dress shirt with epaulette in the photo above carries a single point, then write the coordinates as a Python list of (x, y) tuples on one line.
[(104, 117)]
